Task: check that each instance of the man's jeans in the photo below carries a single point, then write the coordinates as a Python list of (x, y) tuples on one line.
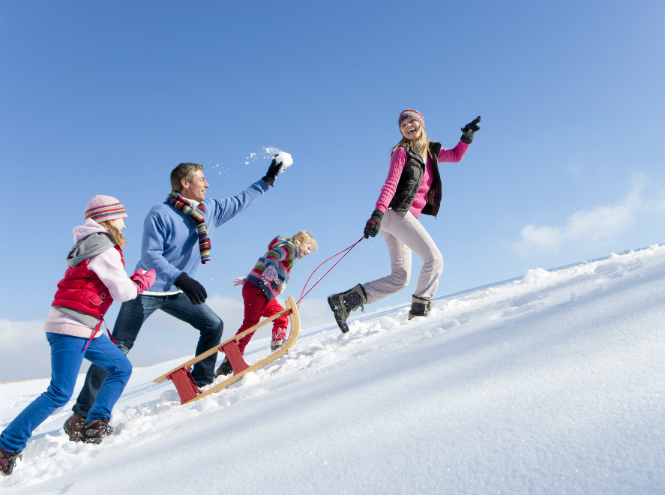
[(128, 324), (66, 358)]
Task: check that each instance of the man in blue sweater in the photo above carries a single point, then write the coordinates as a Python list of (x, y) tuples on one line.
[(176, 241)]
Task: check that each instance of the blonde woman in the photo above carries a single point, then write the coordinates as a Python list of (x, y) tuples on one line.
[(412, 188)]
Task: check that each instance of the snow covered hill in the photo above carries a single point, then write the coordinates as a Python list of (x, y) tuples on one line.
[(552, 383)]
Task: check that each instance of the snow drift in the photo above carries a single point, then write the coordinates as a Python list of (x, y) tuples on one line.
[(550, 383)]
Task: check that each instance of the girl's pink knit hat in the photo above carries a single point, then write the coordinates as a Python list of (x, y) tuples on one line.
[(411, 114), (104, 209)]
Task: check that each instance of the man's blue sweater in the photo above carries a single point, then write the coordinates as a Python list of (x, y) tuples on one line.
[(171, 243)]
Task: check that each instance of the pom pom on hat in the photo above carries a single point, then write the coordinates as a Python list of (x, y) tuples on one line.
[(411, 114), (104, 209)]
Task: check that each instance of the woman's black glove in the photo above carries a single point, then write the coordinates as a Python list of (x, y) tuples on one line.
[(469, 130), (273, 170), (192, 289), (373, 225)]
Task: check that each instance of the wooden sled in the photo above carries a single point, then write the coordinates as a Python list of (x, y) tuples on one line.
[(184, 382)]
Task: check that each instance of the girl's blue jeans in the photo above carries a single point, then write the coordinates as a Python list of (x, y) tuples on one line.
[(66, 360)]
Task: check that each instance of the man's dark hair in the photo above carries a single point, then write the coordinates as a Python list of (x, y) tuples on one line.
[(183, 171)]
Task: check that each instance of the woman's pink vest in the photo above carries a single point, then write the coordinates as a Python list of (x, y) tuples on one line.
[(81, 290)]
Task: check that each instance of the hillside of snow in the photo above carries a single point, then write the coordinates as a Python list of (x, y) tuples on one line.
[(550, 383)]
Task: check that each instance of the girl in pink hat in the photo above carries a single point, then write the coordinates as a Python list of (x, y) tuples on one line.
[(95, 277), (412, 188)]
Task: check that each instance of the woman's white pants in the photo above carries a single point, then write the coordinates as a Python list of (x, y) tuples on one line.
[(402, 236)]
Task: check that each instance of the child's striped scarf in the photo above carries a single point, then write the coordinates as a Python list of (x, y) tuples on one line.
[(198, 216)]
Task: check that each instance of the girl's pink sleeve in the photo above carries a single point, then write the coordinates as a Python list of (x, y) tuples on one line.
[(455, 154), (397, 162), (109, 269)]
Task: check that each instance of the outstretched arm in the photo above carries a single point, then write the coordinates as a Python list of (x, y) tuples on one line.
[(223, 210), (226, 209), (453, 155), (458, 152)]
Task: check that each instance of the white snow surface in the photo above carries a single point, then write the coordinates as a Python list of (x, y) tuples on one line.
[(546, 384)]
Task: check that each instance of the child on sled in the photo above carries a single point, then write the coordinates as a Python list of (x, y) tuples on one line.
[(262, 286), (95, 278)]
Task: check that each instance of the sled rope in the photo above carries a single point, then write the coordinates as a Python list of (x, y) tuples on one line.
[(345, 251), (98, 328)]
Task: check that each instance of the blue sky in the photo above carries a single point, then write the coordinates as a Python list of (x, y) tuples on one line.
[(107, 97)]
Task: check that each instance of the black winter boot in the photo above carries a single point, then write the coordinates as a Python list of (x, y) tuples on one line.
[(224, 369), (419, 307), (95, 431), (343, 303), (73, 426), (8, 461)]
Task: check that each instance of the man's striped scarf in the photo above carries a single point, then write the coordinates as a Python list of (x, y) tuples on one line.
[(198, 216)]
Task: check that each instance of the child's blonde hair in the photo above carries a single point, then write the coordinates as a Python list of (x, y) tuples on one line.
[(115, 234), (305, 237)]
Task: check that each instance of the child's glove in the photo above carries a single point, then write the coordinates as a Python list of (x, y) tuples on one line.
[(142, 279), (280, 163), (373, 225), (270, 274), (238, 281), (469, 130)]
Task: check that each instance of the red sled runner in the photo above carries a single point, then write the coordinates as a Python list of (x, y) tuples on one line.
[(184, 382)]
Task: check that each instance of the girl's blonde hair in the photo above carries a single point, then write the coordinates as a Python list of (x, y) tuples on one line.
[(420, 147), (305, 237), (115, 234)]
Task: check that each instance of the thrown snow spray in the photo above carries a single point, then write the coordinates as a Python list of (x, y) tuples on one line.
[(254, 164)]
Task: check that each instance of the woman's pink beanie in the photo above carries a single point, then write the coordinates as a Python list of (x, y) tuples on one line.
[(411, 114), (104, 209)]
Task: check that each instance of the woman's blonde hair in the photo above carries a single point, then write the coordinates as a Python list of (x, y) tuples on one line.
[(420, 147), (305, 237), (115, 234)]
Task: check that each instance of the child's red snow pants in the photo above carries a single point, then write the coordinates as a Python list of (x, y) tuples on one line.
[(257, 306)]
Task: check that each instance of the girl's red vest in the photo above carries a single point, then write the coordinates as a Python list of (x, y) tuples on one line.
[(81, 290)]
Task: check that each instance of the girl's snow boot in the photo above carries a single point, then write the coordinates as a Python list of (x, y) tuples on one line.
[(343, 303), (95, 431), (224, 369), (73, 426), (419, 307), (8, 461)]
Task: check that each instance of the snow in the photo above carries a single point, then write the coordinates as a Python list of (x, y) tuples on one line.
[(549, 383), (285, 159)]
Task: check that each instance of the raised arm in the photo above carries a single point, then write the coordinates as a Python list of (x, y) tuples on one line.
[(458, 152), (453, 155), (224, 210)]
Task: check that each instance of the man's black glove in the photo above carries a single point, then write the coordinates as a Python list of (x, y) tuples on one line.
[(469, 130), (192, 289), (273, 170), (373, 225)]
